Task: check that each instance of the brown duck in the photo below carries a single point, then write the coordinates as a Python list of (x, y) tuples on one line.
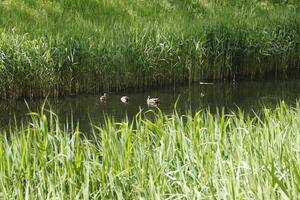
[(103, 98), (152, 101)]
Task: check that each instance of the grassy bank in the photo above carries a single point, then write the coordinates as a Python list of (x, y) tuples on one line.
[(64, 46), (201, 156)]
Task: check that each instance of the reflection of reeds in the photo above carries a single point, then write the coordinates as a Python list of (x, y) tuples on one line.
[(67, 47), (228, 156)]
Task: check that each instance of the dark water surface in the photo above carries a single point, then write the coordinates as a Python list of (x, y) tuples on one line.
[(248, 95)]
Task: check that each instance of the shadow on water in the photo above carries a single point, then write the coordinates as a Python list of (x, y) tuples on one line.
[(248, 95)]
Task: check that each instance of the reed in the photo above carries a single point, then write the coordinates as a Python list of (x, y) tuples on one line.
[(64, 47), (156, 156)]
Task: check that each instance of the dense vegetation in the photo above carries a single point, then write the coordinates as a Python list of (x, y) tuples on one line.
[(70, 46), (157, 156)]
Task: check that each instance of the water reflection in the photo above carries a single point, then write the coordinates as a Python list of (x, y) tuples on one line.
[(248, 95)]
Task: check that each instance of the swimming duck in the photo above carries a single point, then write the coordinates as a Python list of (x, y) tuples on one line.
[(152, 101), (103, 98), (125, 99)]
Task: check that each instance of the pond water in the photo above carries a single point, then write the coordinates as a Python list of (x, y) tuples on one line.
[(248, 95)]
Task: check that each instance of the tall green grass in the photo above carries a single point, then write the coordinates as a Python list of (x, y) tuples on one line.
[(63, 47), (156, 156)]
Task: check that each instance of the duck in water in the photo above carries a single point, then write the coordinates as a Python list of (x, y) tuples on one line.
[(103, 98), (125, 99), (153, 101)]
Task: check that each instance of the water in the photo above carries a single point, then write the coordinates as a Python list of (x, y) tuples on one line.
[(248, 95)]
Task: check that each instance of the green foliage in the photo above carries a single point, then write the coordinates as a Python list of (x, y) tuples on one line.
[(62, 47), (156, 156)]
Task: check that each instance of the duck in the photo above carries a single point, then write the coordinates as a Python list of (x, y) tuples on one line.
[(103, 98), (206, 83), (125, 99), (152, 101)]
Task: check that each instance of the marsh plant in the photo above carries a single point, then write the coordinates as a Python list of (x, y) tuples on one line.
[(64, 47), (199, 156)]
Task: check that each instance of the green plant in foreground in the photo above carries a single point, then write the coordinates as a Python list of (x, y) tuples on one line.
[(156, 156)]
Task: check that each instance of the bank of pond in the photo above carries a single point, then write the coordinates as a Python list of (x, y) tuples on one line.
[(63, 48)]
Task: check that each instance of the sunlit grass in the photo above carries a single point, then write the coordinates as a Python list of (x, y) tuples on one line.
[(65, 47), (201, 156)]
